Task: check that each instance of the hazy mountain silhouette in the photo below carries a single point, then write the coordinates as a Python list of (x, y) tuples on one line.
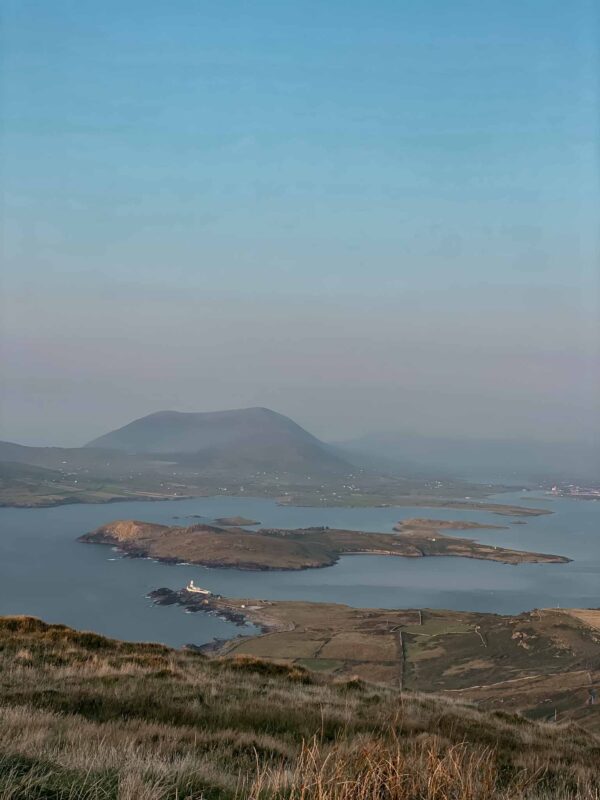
[(242, 440)]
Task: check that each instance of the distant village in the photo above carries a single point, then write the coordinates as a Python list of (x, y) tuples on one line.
[(573, 490)]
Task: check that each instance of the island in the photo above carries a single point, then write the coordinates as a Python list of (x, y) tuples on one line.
[(423, 524), (303, 548), (236, 522)]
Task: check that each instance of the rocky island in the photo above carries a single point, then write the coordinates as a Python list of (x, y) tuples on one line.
[(236, 522), (304, 548)]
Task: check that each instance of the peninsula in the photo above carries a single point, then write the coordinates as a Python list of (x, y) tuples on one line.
[(304, 548), (533, 662)]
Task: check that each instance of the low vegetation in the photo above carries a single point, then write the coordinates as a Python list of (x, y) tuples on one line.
[(87, 718)]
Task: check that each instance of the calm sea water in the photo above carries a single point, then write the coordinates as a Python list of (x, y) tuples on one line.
[(44, 571)]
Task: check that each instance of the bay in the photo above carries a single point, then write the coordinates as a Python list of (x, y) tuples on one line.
[(45, 572)]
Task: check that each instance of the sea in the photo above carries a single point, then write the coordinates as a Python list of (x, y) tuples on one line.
[(47, 573)]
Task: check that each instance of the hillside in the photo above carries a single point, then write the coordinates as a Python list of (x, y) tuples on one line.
[(90, 718), (248, 439), (49, 476), (67, 460), (170, 455)]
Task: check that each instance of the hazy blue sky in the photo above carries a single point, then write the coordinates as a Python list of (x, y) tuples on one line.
[(368, 216)]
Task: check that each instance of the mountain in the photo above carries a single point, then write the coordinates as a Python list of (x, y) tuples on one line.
[(243, 440)]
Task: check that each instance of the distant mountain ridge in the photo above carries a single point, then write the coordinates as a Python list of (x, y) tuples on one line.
[(484, 460), (242, 440)]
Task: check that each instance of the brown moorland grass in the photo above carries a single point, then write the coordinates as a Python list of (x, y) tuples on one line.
[(85, 717)]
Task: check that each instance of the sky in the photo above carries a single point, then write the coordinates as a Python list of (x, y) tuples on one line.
[(370, 217)]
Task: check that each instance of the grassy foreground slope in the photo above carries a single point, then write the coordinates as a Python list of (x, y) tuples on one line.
[(82, 716)]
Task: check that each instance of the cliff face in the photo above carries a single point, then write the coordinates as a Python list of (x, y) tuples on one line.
[(123, 531)]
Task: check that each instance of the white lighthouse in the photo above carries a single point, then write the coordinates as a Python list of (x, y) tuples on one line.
[(196, 589)]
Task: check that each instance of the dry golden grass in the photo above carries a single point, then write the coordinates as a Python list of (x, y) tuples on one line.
[(426, 769), (87, 718)]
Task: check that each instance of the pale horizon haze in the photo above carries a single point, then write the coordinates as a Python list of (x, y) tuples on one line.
[(368, 217)]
